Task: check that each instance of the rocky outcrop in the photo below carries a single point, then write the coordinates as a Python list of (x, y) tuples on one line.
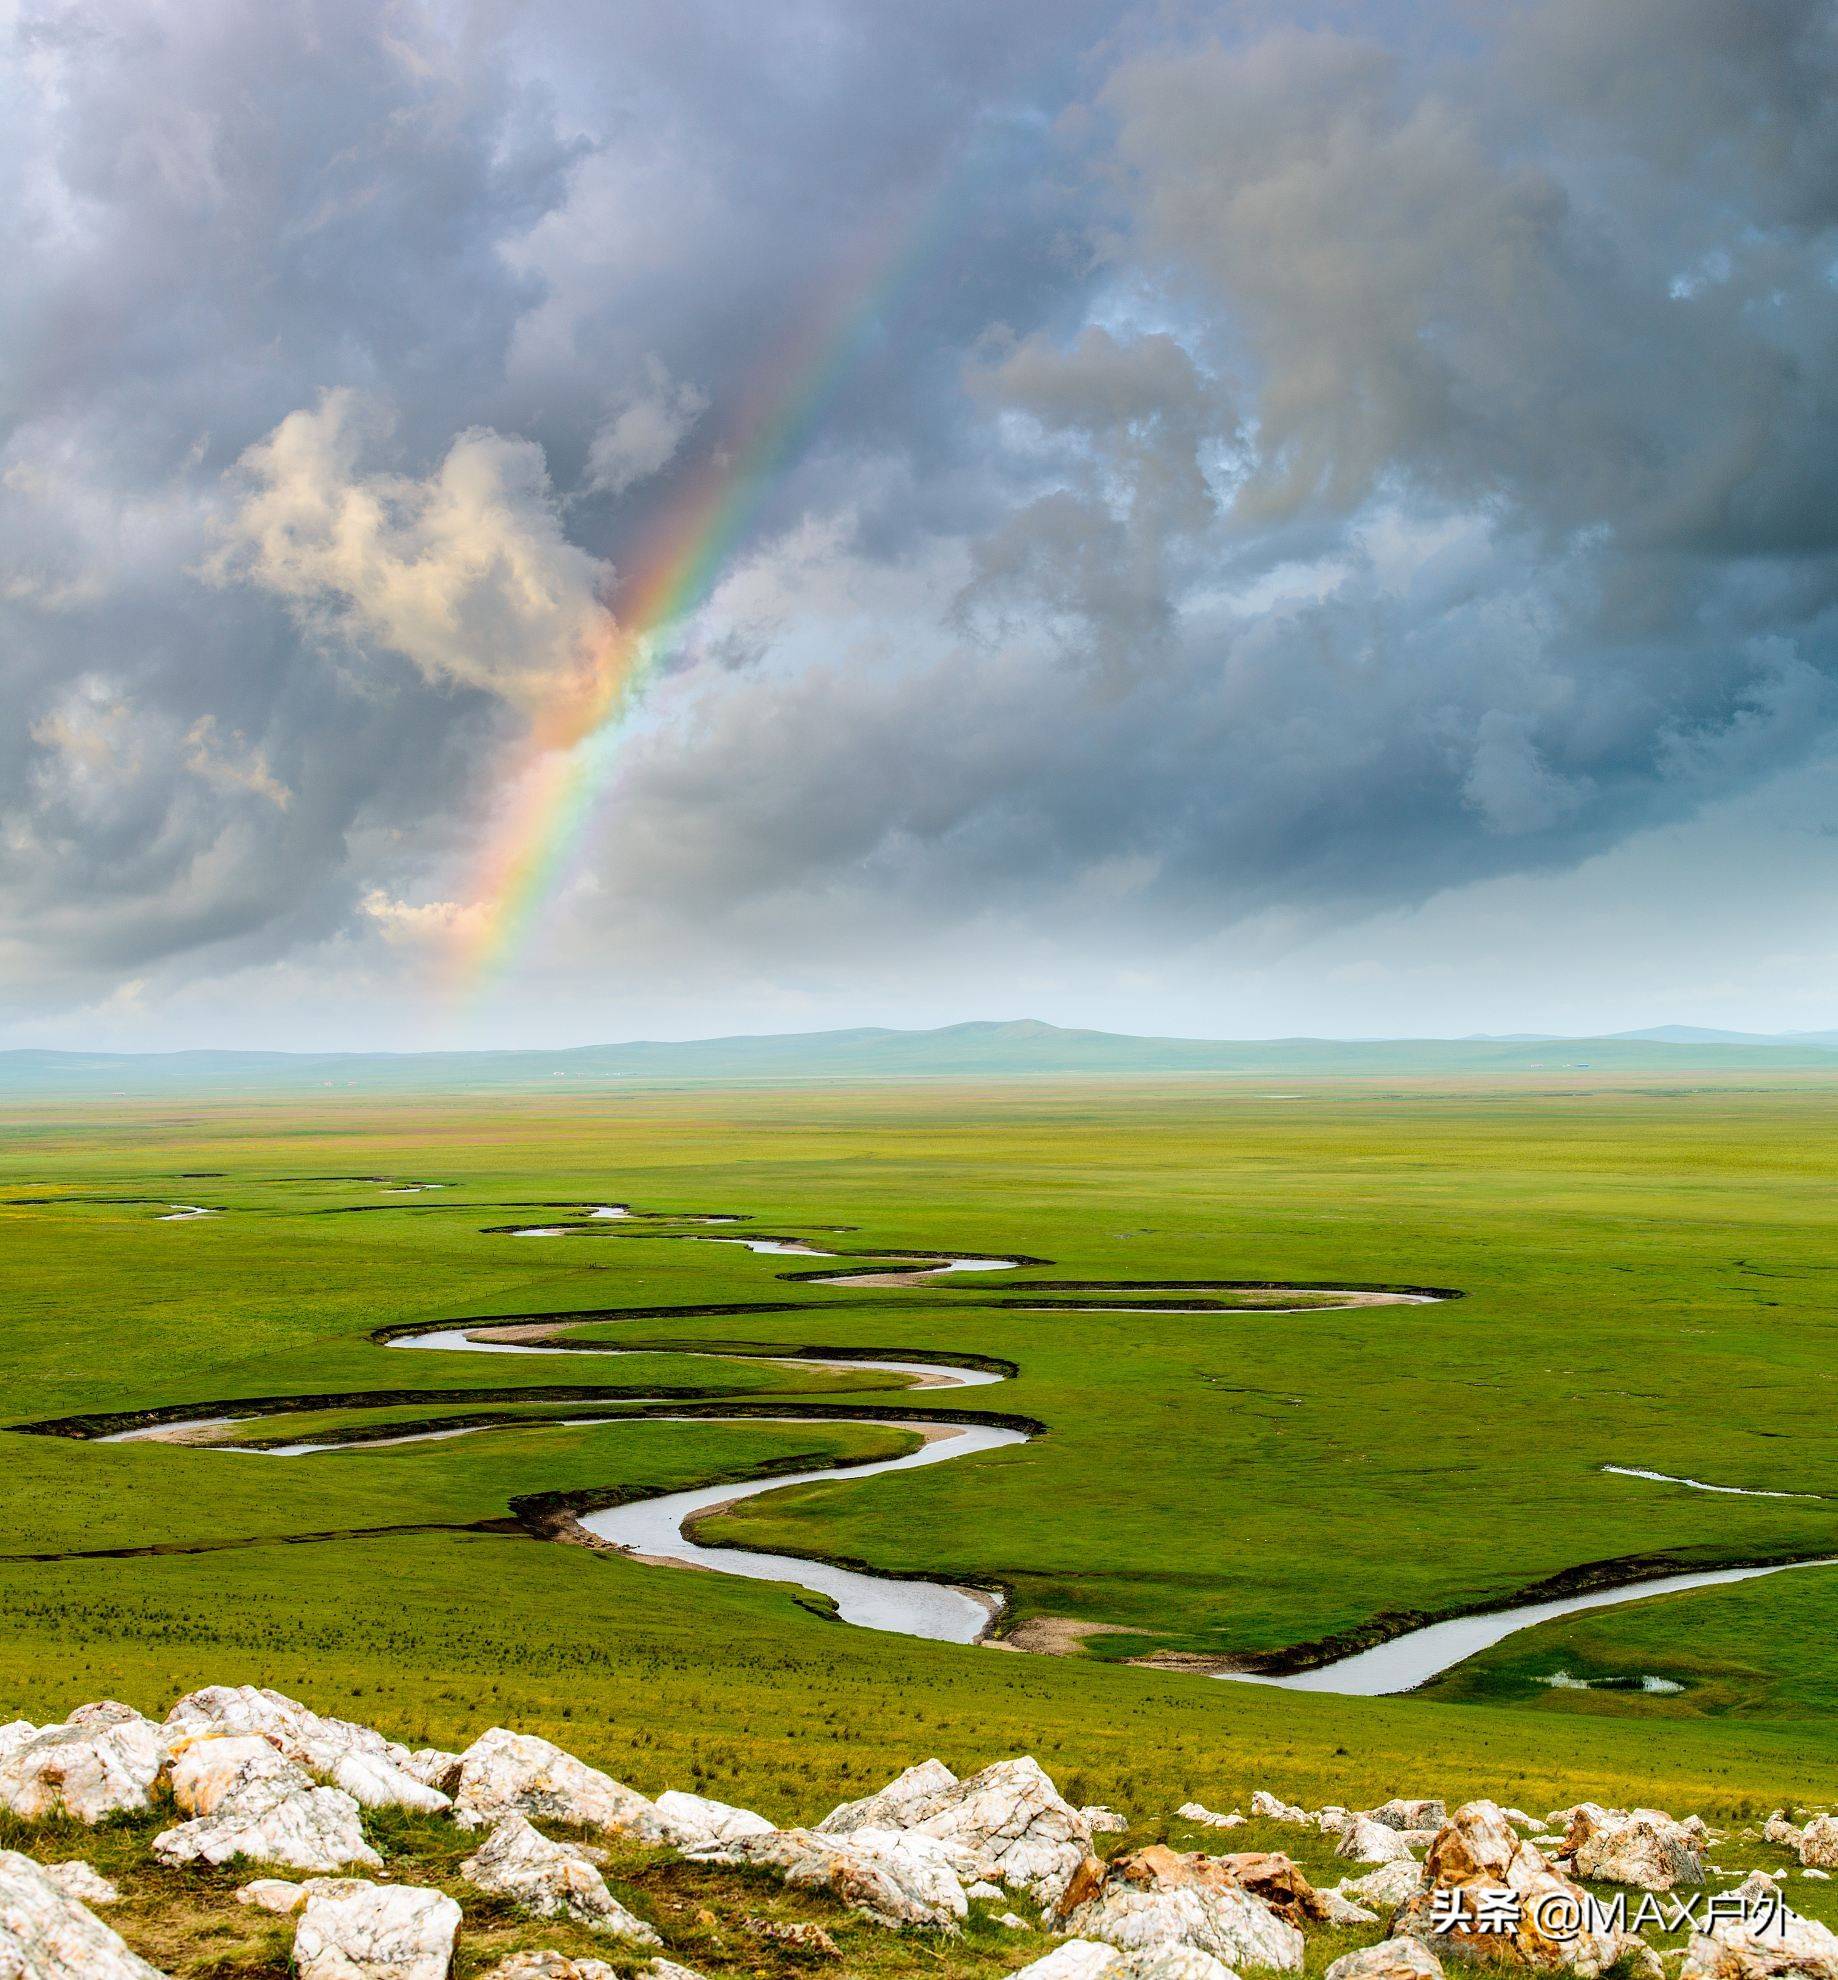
[(1510, 1905), (550, 1879), (1776, 1829), (1208, 1818), (1269, 1808), (897, 1877), (1157, 1897), (694, 1821), (1012, 1825), (1270, 1876), (1102, 1821), (47, 1935), (433, 1766), (274, 1821), (354, 1930), (1644, 1848), (1390, 1959), (1365, 1841), (506, 1773), (102, 1761)]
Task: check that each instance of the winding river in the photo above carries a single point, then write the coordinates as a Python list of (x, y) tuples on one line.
[(656, 1529)]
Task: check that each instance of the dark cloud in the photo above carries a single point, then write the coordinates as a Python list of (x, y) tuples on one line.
[(1275, 468)]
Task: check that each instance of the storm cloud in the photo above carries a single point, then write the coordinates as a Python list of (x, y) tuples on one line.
[(1281, 466)]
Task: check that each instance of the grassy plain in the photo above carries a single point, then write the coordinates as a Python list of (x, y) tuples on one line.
[(1648, 1281)]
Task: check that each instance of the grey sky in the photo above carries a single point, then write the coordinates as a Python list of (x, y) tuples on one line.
[(1329, 521)]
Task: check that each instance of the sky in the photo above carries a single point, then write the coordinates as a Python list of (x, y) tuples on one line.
[(526, 524)]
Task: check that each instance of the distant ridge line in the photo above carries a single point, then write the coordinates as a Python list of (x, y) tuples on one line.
[(999, 1049)]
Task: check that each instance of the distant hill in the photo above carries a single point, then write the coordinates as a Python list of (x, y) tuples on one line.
[(990, 1051)]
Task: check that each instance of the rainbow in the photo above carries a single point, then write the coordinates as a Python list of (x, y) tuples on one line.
[(556, 790)]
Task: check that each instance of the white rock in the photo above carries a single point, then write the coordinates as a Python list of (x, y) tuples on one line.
[(889, 1875), (1823, 1875), (304, 1736), (102, 1761), (1341, 1910), (1366, 1841), (1390, 1885), (1102, 1821), (1390, 1959), (83, 1882), (354, 1930), (558, 1966), (1270, 1809), (507, 1773), (1077, 1959), (1777, 1828), (1423, 1814), (982, 1891), (1208, 1818), (270, 1821), (1787, 1944), (916, 1789), (374, 1782), (693, 1819), (272, 1894), (47, 1935), (1231, 1925), (1818, 1843), (15, 1735), (434, 1767), (1015, 1826), (1644, 1848), (206, 1771), (551, 1879)]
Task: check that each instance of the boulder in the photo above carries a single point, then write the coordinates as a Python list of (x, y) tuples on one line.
[(507, 1773), (1013, 1825), (47, 1935), (1333, 1820), (1390, 1959), (889, 1808), (1102, 1821), (272, 1821), (1086, 1959), (1208, 1818), (1818, 1842), (374, 1782), (273, 1894), (1366, 1841), (1645, 1848), (1389, 1886), (83, 1882), (103, 1760), (1268, 1808), (551, 1879), (1542, 1919), (894, 1876), (208, 1770), (354, 1930), (15, 1735), (1157, 1897), (1428, 1814), (1270, 1877), (376, 1772), (692, 1819), (1776, 1829)]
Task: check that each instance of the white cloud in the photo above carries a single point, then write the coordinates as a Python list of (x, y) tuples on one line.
[(465, 573), (642, 433)]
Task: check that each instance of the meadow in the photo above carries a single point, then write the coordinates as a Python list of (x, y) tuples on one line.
[(1646, 1281)]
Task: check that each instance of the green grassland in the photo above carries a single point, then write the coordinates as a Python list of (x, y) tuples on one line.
[(1647, 1278)]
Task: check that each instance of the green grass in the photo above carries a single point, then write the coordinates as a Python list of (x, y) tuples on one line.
[(1647, 1280)]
